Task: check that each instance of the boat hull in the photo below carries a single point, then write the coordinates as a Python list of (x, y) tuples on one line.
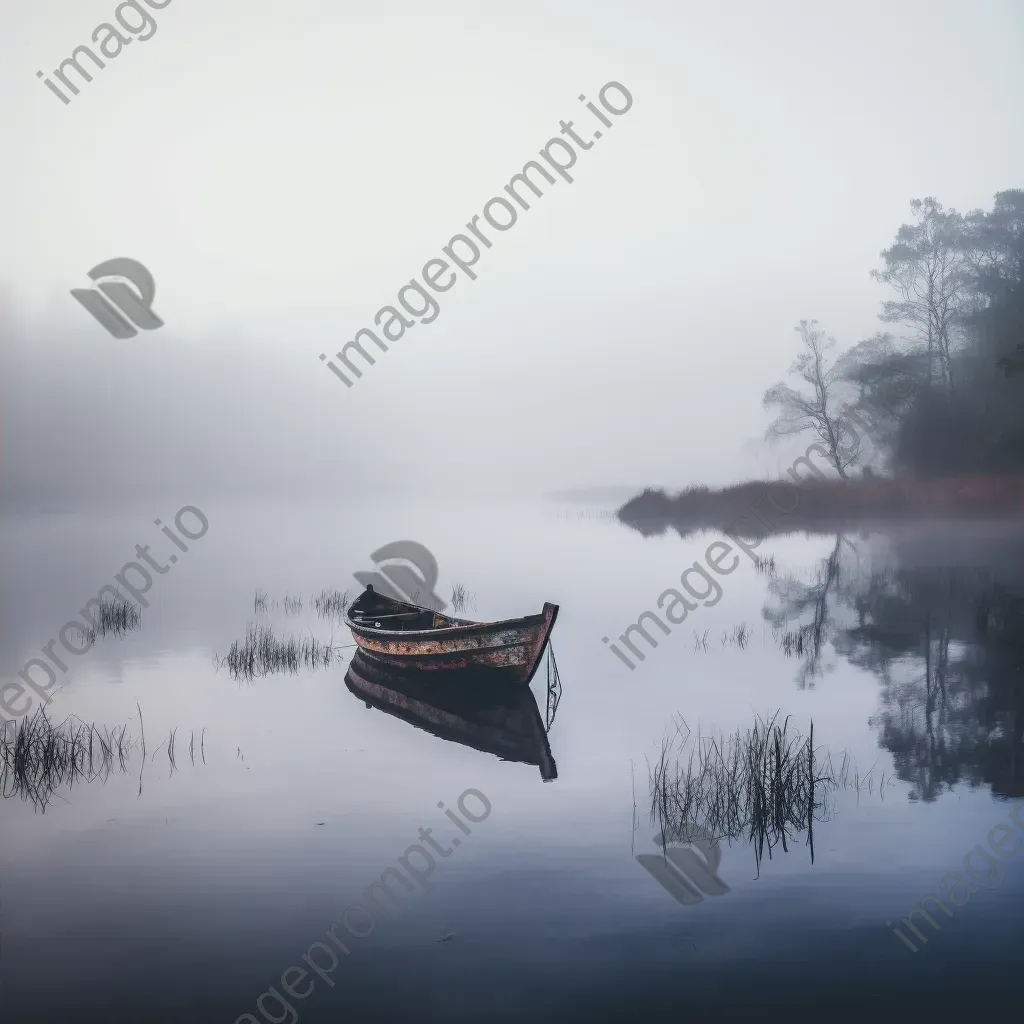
[(513, 646)]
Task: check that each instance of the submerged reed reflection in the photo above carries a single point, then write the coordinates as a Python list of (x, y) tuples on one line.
[(42, 757), (766, 786)]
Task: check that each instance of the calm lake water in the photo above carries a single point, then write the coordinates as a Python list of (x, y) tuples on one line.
[(185, 895)]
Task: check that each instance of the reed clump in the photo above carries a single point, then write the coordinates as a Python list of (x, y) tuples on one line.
[(331, 604), (328, 604), (39, 756), (792, 643), (114, 618), (263, 653), (462, 598), (767, 785), (739, 637)]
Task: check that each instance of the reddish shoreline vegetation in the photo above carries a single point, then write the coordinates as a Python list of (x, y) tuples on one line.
[(926, 425), (824, 506)]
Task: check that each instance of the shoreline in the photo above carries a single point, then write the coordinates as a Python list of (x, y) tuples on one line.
[(824, 506)]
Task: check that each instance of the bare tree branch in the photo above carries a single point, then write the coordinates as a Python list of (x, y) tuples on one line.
[(817, 411)]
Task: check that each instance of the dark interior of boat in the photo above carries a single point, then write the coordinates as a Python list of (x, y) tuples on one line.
[(383, 613), (402, 620)]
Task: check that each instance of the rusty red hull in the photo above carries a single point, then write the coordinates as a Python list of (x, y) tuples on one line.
[(408, 636)]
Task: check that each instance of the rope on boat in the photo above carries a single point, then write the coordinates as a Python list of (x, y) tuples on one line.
[(554, 688)]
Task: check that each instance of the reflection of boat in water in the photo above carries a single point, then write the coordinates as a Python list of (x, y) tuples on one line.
[(478, 708), (408, 636)]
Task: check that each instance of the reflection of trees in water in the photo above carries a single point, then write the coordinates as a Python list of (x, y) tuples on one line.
[(999, 659), (915, 634), (812, 607), (947, 644)]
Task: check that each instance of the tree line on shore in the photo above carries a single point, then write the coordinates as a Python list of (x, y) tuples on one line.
[(942, 391)]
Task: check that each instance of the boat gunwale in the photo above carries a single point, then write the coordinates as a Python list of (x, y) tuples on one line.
[(465, 626)]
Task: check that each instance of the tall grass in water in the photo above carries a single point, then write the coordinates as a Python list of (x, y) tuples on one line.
[(114, 617), (461, 597), (739, 637), (38, 757), (331, 604), (792, 643), (767, 786), (262, 652)]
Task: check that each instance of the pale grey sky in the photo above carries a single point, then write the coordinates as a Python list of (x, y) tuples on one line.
[(283, 169)]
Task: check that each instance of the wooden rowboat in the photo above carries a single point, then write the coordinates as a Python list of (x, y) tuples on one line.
[(409, 636), (477, 708)]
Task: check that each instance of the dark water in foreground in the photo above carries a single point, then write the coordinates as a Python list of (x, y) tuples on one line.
[(187, 893)]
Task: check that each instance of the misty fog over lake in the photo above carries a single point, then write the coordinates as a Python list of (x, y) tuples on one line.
[(693, 335)]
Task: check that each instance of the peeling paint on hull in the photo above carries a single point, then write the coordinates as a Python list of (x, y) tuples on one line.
[(444, 643)]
